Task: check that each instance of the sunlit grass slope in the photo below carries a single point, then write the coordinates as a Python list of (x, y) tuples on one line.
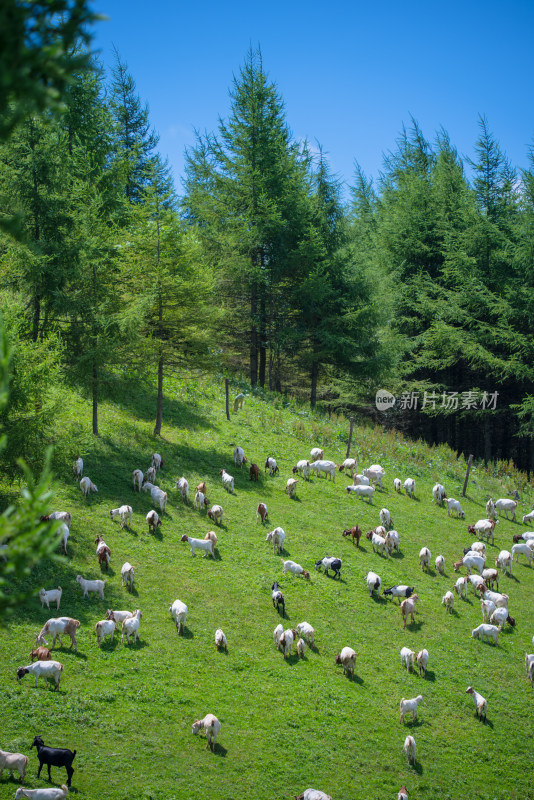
[(286, 725)]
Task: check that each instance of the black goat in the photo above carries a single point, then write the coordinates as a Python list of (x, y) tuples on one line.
[(54, 757), (278, 599)]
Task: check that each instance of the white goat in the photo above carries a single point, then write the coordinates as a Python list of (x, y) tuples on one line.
[(220, 640), (12, 762), (291, 487), (528, 518), (277, 537), (227, 480), (440, 564), (64, 533), (153, 520), (86, 485), (56, 626), (201, 501), (179, 614), (137, 480), (183, 487), (303, 468), (278, 631), (409, 749), (500, 600), (103, 628), (481, 703), (488, 631), (91, 586), (422, 661), (77, 468), (328, 467), (216, 514), (239, 457), (127, 572), (46, 597), (130, 627), (504, 561), (523, 549), (349, 465), (316, 453), (385, 518), (362, 491), (424, 558), (461, 587), (506, 505), (307, 632), (375, 473), (159, 497), (409, 487), (211, 725), (454, 505), (410, 705), (347, 658), (448, 601), (487, 607), (407, 608), (286, 641), (51, 793), (407, 658), (397, 485), (373, 583), (49, 670), (199, 544), (438, 494), (125, 514), (490, 509), (295, 569), (157, 461)]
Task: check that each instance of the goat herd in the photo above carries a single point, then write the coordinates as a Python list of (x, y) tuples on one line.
[(384, 540)]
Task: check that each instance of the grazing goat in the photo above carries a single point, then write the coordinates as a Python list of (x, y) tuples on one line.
[(49, 670), (407, 608), (484, 527), (329, 562), (312, 794), (347, 658), (301, 646), (500, 600), (64, 532), (52, 793), (77, 468), (272, 466), (410, 705), (220, 640), (91, 586), (12, 762), (302, 468), (103, 552), (125, 514), (49, 596), (448, 601), (227, 480), (178, 611), (506, 505), (130, 627), (40, 654), (278, 631), (201, 501), (295, 569), (399, 591), (488, 631), (157, 461), (471, 561), (528, 518), (504, 561), (183, 487), (254, 472), (106, 627), (57, 625), (261, 512), (407, 658), (491, 578), (238, 402), (375, 473), (481, 704), (64, 516), (454, 505), (378, 542), (355, 532), (487, 607), (278, 599), (54, 757), (316, 453), (385, 518), (216, 514), (500, 617), (438, 494), (523, 549), (149, 478), (397, 485), (424, 558), (127, 573), (199, 544), (307, 632), (117, 616), (212, 536), (362, 491), (212, 726), (490, 509), (286, 641), (373, 583), (328, 467), (137, 480), (153, 521), (291, 487), (409, 749), (403, 791), (277, 537), (409, 487), (239, 457), (86, 485), (440, 564), (422, 661), (349, 465), (159, 497), (461, 587)]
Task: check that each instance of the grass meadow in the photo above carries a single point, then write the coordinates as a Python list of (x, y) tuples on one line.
[(286, 725)]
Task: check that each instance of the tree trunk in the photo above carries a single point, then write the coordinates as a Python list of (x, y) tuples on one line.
[(95, 398), (262, 343), (314, 377), (253, 339), (159, 411), (487, 441)]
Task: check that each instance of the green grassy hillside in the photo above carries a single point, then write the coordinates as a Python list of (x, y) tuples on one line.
[(286, 725)]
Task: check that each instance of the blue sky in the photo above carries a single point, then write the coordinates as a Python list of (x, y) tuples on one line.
[(350, 73)]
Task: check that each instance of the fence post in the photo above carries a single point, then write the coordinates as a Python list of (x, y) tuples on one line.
[(469, 462), (350, 436), (227, 386)]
